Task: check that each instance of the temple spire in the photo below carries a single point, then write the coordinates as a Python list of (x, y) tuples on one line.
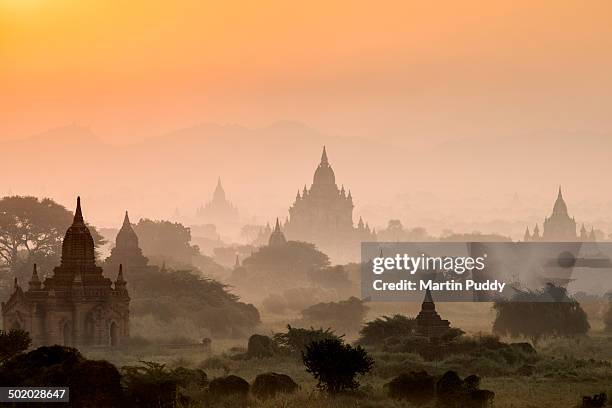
[(34, 281), (78, 214), (126, 219), (428, 297), (120, 274), (324, 161), (277, 238)]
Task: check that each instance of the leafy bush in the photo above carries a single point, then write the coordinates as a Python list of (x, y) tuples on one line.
[(345, 316), (13, 342), (550, 312), (416, 387), (379, 330), (260, 346), (335, 364), (452, 391), (153, 385), (229, 386), (92, 383), (267, 385), (295, 340)]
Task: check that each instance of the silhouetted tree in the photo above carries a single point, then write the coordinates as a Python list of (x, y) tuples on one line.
[(168, 295), (13, 342), (166, 240), (296, 259), (335, 365), (550, 312)]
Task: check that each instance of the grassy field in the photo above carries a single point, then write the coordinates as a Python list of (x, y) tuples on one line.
[(563, 371)]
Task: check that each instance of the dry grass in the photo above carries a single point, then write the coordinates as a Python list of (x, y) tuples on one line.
[(564, 372)]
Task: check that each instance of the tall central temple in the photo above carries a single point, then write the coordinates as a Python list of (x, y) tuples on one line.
[(77, 305), (559, 227), (323, 215)]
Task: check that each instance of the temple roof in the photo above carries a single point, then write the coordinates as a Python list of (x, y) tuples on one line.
[(78, 246), (324, 174), (219, 194), (560, 207), (277, 237), (126, 237)]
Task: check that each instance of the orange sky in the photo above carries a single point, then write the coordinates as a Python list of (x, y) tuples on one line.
[(395, 70)]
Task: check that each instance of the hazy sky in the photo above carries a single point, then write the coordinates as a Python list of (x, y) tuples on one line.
[(401, 70)]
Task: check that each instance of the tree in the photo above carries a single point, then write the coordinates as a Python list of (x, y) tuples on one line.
[(292, 261), (335, 365), (31, 230), (166, 240), (549, 312), (170, 297), (345, 316), (12, 343)]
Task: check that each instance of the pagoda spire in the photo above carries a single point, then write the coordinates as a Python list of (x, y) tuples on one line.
[(126, 219), (428, 298), (34, 281), (120, 275), (78, 214), (324, 161)]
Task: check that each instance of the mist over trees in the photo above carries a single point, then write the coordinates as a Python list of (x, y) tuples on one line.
[(190, 305)]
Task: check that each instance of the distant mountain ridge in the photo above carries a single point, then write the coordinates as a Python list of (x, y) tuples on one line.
[(262, 168)]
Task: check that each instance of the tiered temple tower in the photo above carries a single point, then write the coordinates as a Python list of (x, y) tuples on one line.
[(429, 322), (323, 215), (76, 306), (127, 250), (559, 227)]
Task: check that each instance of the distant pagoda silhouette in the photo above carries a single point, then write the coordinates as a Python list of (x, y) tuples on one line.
[(429, 322), (323, 215), (219, 209), (277, 238), (127, 250), (559, 227), (77, 305)]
